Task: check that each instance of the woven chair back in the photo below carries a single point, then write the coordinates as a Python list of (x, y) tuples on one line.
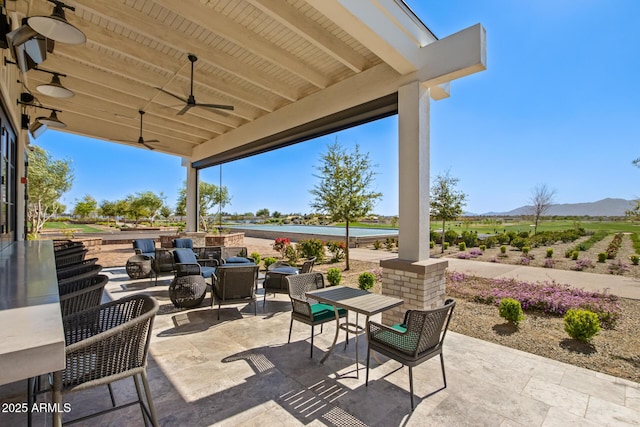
[(430, 325), (236, 282), (87, 273), (77, 269), (107, 342), (82, 295), (301, 283), (307, 266)]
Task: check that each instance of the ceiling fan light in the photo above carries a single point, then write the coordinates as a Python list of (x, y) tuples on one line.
[(52, 121), (55, 89), (56, 27)]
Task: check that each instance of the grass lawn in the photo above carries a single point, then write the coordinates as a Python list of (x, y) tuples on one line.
[(62, 226)]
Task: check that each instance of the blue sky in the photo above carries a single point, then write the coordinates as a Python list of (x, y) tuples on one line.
[(559, 105)]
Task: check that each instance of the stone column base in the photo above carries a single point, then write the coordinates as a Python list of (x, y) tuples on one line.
[(421, 284)]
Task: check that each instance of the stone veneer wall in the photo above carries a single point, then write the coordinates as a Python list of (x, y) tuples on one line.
[(230, 239), (420, 284)]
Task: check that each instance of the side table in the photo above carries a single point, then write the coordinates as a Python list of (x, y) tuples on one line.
[(187, 291), (139, 266)]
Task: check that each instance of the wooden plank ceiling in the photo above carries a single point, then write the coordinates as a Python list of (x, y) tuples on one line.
[(256, 55)]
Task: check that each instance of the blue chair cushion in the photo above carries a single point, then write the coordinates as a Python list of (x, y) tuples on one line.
[(184, 256), (321, 311), (400, 327), (146, 246), (207, 271), (238, 260), (183, 243)]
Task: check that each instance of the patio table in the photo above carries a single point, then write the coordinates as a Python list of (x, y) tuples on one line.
[(351, 299)]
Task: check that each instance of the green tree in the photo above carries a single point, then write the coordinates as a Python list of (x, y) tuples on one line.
[(209, 196), (541, 200), (165, 211), (446, 201), (263, 213), (108, 210), (48, 180), (145, 205), (85, 207), (344, 188)]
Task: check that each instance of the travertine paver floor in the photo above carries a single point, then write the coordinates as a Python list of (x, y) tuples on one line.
[(241, 371)]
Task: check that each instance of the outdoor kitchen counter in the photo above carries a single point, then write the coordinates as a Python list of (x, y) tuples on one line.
[(31, 333)]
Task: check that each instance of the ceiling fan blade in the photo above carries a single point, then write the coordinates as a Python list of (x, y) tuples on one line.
[(171, 94), (151, 140), (221, 107), (147, 145), (185, 109)]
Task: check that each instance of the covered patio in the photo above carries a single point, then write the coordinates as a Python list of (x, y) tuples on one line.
[(239, 370)]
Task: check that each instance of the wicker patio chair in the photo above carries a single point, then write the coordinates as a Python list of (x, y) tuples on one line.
[(187, 264), (274, 282), (417, 339), (303, 310), (106, 344), (67, 258), (183, 243), (82, 294), (87, 273), (75, 269), (233, 284)]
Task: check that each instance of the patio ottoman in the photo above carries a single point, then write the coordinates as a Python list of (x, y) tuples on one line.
[(187, 291), (139, 266)]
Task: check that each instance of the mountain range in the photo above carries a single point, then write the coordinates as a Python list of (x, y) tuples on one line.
[(604, 207)]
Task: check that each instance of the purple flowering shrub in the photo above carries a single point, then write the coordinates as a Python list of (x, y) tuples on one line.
[(549, 263), (464, 255), (582, 264), (548, 297), (473, 253), (525, 260), (617, 267)]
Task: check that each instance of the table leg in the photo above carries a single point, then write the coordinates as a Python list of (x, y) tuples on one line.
[(356, 334), (335, 338)]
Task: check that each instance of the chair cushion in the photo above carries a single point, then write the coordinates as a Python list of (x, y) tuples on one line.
[(185, 256), (321, 311), (238, 260), (183, 243), (401, 327), (207, 271), (146, 246)]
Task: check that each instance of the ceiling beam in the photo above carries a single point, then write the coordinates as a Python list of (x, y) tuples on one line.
[(142, 24), (314, 33), (215, 22)]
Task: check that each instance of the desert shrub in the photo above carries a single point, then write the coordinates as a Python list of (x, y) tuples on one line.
[(586, 245), (494, 259), (635, 259), (581, 325), (525, 260), (432, 244), (503, 249), (548, 297), (525, 250), (617, 267), (575, 255), (268, 261), (388, 243), (503, 238), (602, 257), (446, 245), (475, 252), (366, 280), (291, 254), (549, 263), (377, 245), (309, 248), (519, 242), (635, 241), (435, 236), (337, 249), (490, 242), (614, 246), (462, 246), (550, 253), (334, 276), (483, 248), (255, 256), (469, 238), (582, 264), (464, 255), (523, 234), (280, 245), (451, 236), (511, 310)]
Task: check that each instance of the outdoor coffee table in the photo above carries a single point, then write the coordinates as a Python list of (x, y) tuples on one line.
[(139, 266), (351, 299)]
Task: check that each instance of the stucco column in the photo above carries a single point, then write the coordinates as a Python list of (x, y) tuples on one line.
[(413, 277), (192, 196), (413, 154)]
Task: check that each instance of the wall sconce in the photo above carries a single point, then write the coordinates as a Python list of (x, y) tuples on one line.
[(51, 121), (55, 88)]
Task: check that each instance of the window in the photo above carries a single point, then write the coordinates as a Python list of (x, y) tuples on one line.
[(8, 181)]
